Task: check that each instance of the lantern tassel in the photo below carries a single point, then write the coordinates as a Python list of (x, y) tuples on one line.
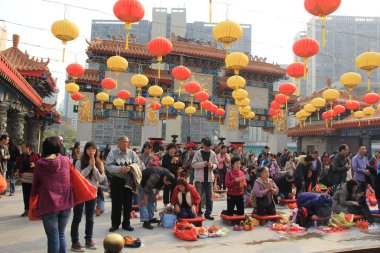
[(210, 13), (126, 40), (159, 70), (167, 112), (286, 106), (326, 124), (369, 82), (318, 114), (339, 118), (323, 31), (359, 122), (219, 120), (298, 93), (63, 54), (310, 119)]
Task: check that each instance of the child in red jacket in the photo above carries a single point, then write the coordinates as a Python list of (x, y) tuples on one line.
[(235, 182)]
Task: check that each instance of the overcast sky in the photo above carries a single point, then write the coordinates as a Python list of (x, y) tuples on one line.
[(274, 24)]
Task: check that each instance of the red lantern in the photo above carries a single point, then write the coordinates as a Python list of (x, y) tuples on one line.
[(296, 70), (281, 99), (124, 94), (275, 105), (159, 47), (76, 96), (322, 8), (108, 83), (272, 112), (220, 113), (206, 104), (201, 96), (155, 106), (75, 70), (192, 88), (352, 105), (287, 89), (305, 48), (339, 109), (181, 73), (212, 108), (140, 101), (371, 98), (128, 11)]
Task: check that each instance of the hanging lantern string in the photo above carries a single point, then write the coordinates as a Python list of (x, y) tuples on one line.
[(210, 13)]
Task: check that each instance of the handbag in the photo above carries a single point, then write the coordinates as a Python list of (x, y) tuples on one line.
[(82, 189), (168, 220), (27, 177)]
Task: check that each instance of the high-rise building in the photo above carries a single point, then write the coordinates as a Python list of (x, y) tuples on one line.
[(166, 24), (346, 38), (70, 110)]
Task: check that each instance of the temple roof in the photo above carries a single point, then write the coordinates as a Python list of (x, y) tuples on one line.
[(21, 61), (90, 75), (351, 122), (182, 48), (311, 130)]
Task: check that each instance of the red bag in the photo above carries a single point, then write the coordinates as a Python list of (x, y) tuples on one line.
[(185, 234), (32, 206), (309, 188), (82, 189), (3, 184)]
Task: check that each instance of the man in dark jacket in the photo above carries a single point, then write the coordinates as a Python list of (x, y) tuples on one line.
[(152, 178), (340, 166), (316, 169), (285, 184)]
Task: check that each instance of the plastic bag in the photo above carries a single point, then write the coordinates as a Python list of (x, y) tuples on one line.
[(183, 231), (3, 184), (82, 189), (32, 207), (168, 220)]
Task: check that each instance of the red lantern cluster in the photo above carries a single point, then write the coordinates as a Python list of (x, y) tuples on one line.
[(75, 70), (124, 94)]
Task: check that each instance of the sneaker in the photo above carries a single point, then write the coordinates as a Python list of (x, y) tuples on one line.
[(90, 244), (77, 247), (25, 214), (209, 217), (113, 229), (147, 225)]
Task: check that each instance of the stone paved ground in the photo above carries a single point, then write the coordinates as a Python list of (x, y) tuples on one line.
[(20, 235)]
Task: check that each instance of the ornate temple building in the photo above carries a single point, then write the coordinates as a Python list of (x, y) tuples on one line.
[(208, 68), (25, 82), (316, 136)]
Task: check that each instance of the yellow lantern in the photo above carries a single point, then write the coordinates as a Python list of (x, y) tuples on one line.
[(179, 105), (369, 111), (65, 31), (117, 64), (304, 114), (350, 80), (139, 81), (236, 61), (167, 101), (368, 61), (359, 115), (239, 94), (251, 115), (301, 118), (102, 97), (119, 104), (309, 108), (236, 82), (227, 32), (244, 109), (155, 91), (72, 88), (190, 110), (318, 103), (331, 95), (243, 102)]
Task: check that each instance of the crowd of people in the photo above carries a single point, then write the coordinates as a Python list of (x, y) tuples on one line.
[(188, 178)]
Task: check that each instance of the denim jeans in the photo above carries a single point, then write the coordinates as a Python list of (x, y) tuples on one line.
[(206, 188), (100, 204), (147, 211), (11, 178), (55, 225), (78, 212)]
